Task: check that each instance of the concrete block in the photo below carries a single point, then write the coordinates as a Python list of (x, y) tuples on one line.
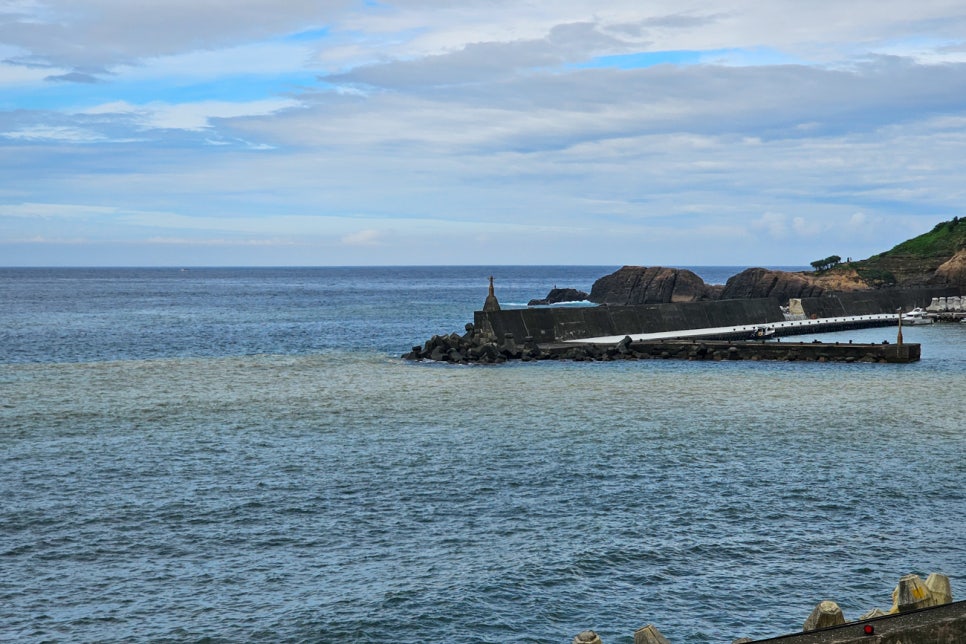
[(649, 635), (911, 594), (587, 637), (938, 584), (826, 614)]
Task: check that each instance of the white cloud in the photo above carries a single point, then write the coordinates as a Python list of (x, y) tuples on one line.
[(55, 133), (775, 224), (467, 122), (192, 116), (368, 237), (260, 58), (55, 210), (806, 227)]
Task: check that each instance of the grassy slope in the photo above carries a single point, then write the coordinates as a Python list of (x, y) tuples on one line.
[(911, 263), (916, 259), (943, 240)]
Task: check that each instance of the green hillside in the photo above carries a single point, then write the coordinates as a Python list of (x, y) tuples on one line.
[(912, 262), (943, 240)]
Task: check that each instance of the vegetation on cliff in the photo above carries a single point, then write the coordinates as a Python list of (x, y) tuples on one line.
[(944, 240), (916, 261)]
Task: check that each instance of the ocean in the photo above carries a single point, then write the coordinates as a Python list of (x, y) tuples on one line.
[(240, 455)]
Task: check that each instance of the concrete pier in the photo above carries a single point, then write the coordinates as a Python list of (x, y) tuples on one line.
[(700, 349), (713, 320), (744, 331)]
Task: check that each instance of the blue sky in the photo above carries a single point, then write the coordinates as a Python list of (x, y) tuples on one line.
[(332, 132)]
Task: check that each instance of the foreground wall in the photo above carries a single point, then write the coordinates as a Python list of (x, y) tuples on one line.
[(561, 324)]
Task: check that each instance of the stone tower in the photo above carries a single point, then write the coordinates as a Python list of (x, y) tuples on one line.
[(491, 303)]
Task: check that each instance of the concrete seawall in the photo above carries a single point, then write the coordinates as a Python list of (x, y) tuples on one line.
[(547, 325), (872, 302), (561, 324)]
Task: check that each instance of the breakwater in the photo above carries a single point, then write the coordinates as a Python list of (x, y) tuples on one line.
[(872, 302), (464, 350), (922, 612), (546, 325), (656, 330)]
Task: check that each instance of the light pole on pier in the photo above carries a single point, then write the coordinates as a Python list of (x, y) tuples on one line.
[(899, 338)]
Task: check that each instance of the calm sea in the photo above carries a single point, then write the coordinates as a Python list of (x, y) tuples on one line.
[(227, 455)]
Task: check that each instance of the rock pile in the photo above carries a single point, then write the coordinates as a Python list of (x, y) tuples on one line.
[(471, 347)]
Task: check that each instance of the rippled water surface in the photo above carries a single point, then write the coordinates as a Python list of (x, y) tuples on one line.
[(239, 455)]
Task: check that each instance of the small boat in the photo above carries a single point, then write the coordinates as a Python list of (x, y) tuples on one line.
[(916, 317), (762, 332)]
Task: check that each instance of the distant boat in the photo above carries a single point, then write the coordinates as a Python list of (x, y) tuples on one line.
[(916, 317)]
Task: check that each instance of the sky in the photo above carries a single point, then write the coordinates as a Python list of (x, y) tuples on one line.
[(479, 132)]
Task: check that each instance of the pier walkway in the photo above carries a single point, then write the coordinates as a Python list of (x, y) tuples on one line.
[(789, 327)]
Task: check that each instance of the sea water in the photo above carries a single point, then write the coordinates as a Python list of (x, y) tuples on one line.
[(228, 455)]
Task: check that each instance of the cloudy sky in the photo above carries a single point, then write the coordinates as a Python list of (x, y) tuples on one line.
[(339, 132)]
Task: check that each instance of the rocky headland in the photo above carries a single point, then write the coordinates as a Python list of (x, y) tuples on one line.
[(937, 258)]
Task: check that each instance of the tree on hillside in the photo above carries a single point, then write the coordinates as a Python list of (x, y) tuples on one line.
[(827, 263)]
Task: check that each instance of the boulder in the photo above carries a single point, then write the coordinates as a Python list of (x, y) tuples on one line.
[(558, 295), (649, 285), (763, 282)]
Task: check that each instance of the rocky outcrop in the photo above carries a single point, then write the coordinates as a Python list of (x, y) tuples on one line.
[(952, 272), (658, 285), (649, 285), (632, 285), (558, 295), (762, 282), (934, 259)]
